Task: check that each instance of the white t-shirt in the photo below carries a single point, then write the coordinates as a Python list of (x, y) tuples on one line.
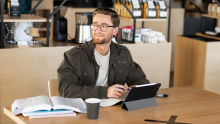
[(103, 62)]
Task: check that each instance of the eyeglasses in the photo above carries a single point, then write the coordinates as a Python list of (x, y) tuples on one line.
[(103, 27)]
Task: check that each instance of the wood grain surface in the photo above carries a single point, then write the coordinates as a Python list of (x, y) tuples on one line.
[(24, 18), (197, 63), (189, 104), (189, 62)]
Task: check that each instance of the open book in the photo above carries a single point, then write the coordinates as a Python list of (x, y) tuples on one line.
[(112, 101), (45, 103)]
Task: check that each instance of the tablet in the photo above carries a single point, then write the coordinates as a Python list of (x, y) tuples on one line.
[(141, 95)]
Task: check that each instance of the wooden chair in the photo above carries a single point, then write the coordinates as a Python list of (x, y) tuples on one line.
[(53, 87)]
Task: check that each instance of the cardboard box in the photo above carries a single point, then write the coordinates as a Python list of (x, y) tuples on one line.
[(210, 9), (214, 9)]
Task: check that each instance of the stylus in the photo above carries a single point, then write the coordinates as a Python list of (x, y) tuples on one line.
[(162, 95)]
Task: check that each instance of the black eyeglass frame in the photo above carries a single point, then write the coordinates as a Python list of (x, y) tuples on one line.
[(100, 27)]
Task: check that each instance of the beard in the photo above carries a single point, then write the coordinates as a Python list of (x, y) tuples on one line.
[(102, 41)]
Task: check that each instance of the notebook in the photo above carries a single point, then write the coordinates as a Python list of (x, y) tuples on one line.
[(47, 116)]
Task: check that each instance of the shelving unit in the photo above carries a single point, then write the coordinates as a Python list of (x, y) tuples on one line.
[(23, 18), (134, 19), (46, 5), (203, 23), (11, 19)]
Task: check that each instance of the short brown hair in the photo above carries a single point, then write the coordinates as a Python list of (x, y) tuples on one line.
[(107, 11)]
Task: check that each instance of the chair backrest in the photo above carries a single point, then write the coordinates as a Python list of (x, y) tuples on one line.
[(53, 87)]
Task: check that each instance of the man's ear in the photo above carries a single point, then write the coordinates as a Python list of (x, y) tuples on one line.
[(115, 31)]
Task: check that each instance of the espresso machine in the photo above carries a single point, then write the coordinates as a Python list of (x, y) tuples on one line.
[(83, 31)]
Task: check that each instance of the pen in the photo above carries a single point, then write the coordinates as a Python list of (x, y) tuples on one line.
[(122, 88)]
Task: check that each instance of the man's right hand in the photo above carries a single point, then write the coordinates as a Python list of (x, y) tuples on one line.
[(114, 91)]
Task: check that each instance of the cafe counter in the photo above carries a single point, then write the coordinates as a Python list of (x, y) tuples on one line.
[(197, 62)]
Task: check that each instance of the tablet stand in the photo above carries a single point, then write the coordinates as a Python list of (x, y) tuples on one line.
[(139, 104)]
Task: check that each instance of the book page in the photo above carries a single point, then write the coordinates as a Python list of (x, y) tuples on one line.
[(36, 103), (56, 100), (22, 103), (41, 100), (77, 102), (68, 103), (19, 105)]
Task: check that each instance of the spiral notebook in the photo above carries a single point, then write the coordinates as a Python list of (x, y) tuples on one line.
[(46, 112), (47, 116)]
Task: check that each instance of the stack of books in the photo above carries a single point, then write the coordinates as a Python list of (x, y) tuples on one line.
[(43, 106)]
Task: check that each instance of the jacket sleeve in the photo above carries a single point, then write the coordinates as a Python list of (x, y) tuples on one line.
[(136, 76), (69, 80)]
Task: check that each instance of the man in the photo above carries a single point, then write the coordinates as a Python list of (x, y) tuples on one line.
[(99, 68)]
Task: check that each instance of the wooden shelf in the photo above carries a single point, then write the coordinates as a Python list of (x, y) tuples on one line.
[(143, 19), (208, 36), (210, 16), (24, 18)]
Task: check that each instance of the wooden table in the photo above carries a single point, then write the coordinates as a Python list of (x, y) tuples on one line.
[(190, 104)]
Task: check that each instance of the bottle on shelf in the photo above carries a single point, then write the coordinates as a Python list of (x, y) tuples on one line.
[(157, 9), (142, 7), (9, 8)]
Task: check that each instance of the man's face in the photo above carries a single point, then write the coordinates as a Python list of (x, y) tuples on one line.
[(100, 37)]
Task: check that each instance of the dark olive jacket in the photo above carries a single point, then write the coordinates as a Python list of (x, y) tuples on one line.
[(78, 72)]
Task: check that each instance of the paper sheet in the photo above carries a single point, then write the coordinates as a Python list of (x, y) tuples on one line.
[(112, 101), (109, 102)]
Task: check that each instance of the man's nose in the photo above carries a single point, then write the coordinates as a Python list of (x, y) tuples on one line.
[(99, 28)]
